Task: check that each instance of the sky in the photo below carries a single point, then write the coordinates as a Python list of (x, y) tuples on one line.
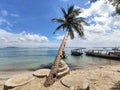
[(26, 23)]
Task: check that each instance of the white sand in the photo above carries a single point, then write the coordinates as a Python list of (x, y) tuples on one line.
[(99, 78)]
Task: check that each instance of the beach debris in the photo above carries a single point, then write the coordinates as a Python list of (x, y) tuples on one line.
[(75, 83), (41, 72), (18, 80), (118, 70)]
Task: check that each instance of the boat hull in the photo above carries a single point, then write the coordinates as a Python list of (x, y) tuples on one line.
[(76, 54)]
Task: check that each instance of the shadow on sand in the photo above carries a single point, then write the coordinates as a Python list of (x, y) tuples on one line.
[(49, 65), (116, 86), (42, 66)]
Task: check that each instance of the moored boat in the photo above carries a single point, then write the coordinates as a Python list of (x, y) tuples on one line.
[(76, 52)]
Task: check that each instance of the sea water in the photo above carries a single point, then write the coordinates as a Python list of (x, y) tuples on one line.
[(31, 58)]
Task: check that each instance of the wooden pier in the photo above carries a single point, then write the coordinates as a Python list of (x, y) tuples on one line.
[(104, 54)]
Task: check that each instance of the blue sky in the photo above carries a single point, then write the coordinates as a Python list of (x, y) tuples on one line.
[(33, 16), (26, 23)]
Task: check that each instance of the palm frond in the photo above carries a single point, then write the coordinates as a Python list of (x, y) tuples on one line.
[(71, 32), (118, 9), (81, 20), (70, 9), (64, 12), (64, 26), (71, 22), (80, 32), (61, 20), (78, 29), (114, 2), (84, 22), (59, 27), (80, 26), (93, 1), (77, 11)]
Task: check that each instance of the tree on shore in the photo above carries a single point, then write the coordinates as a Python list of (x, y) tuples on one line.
[(71, 23), (116, 3)]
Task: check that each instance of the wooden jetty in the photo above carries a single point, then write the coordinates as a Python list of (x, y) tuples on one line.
[(107, 54)]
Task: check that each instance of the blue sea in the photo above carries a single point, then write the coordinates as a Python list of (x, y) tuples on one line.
[(34, 58)]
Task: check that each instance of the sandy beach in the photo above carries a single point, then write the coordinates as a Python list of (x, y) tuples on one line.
[(99, 78), (71, 44)]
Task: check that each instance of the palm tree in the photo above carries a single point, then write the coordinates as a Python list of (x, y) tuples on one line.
[(71, 23)]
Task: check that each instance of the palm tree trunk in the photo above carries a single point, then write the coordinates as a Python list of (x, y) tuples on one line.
[(54, 71)]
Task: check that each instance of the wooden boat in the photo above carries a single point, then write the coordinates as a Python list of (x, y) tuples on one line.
[(108, 54), (76, 52)]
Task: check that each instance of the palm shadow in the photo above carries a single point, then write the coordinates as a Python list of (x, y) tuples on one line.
[(49, 65)]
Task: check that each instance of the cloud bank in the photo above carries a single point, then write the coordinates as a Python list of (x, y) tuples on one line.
[(22, 39)]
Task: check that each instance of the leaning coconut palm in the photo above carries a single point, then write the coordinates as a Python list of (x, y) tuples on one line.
[(71, 23)]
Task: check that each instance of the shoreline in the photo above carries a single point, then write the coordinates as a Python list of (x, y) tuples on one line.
[(12, 72)]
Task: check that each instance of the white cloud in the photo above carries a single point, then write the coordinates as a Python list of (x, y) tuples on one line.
[(111, 39), (59, 37), (2, 21), (104, 29), (4, 12), (14, 15), (5, 22), (99, 8), (23, 40)]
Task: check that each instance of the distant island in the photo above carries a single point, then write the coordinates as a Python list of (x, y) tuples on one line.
[(12, 47)]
